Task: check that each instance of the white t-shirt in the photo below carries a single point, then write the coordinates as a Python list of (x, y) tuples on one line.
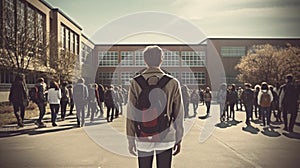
[(54, 96)]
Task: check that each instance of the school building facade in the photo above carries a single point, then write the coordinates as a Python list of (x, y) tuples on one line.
[(196, 65)]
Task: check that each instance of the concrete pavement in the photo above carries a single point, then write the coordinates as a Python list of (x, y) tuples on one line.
[(103, 145)]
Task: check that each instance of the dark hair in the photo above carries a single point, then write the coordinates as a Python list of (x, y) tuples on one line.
[(248, 85), (54, 85), (289, 77), (40, 80), (20, 77), (264, 86), (64, 84)]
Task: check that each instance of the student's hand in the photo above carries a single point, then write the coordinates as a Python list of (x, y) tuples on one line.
[(132, 149), (177, 148)]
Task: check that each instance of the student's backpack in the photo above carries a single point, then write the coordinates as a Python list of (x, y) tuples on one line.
[(33, 94), (151, 119), (64, 94), (265, 100)]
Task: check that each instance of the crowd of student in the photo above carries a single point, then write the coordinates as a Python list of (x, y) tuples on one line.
[(261, 101), (89, 100)]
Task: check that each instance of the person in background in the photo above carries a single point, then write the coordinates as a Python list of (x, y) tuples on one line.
[(19, 98), (207, 99), (71, 103), (248, 99), (41, 100), (185, 98), (232, 99), (201, 93), (264, 100), (195, 100), (256, 105), (54, 99), (65, 99), (222, 100), (101, 99), (274, 103), (109, 103), (277, 90), (288, 98), (239, 104), (80, 95)]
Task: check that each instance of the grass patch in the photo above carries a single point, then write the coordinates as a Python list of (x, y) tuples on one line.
[(7, 115)]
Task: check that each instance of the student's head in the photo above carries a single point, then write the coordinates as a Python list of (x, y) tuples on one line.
[(264, 86), (20, 77), (247, 85), (80, 80), (289, 78), (153, 56), (64, 84), (54, 85), (40, 80)]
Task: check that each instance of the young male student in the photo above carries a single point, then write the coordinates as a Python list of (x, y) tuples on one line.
[(169, 139)]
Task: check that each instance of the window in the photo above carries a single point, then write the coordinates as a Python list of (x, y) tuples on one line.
[(107, 78), (190, 78), (127, 58), (126, 77), (139, 58), (63, 36), (193, 58), (176, 75), (108, 58), (71, 42), (233, 51), (171, 58)]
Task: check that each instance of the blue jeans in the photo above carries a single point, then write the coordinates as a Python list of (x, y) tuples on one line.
[(54, 110), (266, 113), (42, 108)]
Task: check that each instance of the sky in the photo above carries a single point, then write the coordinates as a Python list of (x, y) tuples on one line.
[(214, 18)]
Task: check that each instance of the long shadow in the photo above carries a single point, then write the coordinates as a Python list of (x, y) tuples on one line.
[(57, 129), (251, 129), (270, 132), (292, 135)]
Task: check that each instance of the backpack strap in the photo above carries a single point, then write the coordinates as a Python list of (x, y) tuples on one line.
[(141, 81), (163, 81)]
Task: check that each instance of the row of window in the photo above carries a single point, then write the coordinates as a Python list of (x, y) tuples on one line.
[(69, 40), (233, 51), (135, 58), (123, 78)]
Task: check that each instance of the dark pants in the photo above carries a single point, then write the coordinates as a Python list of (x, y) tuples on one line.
[(42, 109), (195, 106), (207, 107), (232, 112), (54, 110), (249, 109), (293, 111), (63, 109), (265, 113), (163, 159), (71, 106), (110, 115), (20, 108)]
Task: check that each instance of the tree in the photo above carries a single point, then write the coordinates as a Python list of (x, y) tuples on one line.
[(23, 46), (269, 63)]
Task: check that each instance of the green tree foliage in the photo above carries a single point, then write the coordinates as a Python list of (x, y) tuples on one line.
[(269, 63)]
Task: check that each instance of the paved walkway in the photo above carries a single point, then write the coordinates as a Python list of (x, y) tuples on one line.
[(207, 143)]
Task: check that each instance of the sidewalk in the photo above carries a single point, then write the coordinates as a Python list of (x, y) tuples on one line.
[(103, 145)]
